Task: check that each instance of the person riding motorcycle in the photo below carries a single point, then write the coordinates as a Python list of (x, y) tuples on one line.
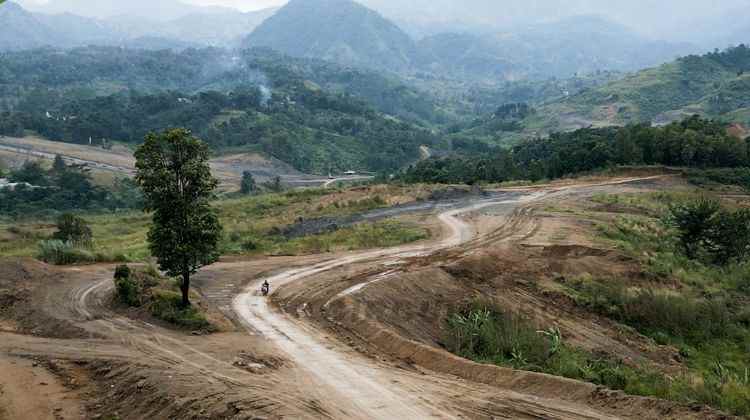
[(265, 288)]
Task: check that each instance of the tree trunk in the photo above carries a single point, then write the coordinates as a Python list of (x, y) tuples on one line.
[(185, 288)]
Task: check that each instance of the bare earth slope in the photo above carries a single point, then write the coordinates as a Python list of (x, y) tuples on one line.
[(328, 344)]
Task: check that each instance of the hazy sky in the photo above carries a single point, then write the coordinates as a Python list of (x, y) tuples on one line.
[(654, 17), (659, 18), (244, 5)]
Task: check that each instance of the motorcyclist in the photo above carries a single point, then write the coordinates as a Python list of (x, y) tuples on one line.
[(265, 288)]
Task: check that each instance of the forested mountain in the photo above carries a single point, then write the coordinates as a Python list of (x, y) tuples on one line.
[(342, 31), (21, 29), (716, 84), (346, 32), (581, 44), (310, 113)]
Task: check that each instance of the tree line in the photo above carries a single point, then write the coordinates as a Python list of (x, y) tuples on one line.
[(311, 129), (693, 142), (62, 188)]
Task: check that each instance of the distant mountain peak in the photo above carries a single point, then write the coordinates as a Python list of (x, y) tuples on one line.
[(336, 30)]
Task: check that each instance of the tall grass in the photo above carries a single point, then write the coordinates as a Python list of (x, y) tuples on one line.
[(695, 305), (656, 312), (487, 333), (65, 253)]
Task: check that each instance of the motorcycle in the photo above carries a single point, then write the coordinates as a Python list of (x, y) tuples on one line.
[(265, 289)]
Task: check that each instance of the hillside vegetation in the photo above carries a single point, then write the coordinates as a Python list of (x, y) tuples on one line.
[(694, 142), (714, 84), (299, 111)]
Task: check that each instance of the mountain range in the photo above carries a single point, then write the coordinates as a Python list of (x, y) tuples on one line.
[(348, 33), (22, 29), (714, 85)]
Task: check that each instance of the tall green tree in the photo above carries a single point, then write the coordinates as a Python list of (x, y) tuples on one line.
[(174, 175), (248, 185)]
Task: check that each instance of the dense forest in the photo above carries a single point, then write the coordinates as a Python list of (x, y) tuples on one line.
[(263, 102), (321, 117), (694, 142)]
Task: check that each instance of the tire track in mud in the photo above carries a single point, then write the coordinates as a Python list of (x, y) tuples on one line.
[(145, 338), (147, 345)]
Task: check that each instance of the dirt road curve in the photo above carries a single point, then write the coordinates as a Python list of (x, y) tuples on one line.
[(284, 366), (366, 390)]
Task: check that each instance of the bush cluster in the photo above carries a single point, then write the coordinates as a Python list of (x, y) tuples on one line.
[(707, 231), (146, 289), (57, 252)]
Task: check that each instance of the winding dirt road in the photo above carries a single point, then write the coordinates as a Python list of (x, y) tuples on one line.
[(318, 376), (369, 391)]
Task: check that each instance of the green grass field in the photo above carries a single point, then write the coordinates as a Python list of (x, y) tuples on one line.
[(251, 225)]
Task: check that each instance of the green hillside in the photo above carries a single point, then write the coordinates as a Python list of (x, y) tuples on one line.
[(314, 115), (713, 85)]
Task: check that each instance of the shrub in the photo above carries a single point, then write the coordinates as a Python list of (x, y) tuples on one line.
[(693, 221), (127, 289), (133, 288), (73, 229), (250, 245), (122, 272), (705, 229), (729, 236), (167, 306), (248, 186), (61, 253)]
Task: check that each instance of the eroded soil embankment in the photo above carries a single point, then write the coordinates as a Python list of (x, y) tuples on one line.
[(401, 312)]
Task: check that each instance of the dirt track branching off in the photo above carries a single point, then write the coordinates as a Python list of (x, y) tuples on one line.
[(358, 334)]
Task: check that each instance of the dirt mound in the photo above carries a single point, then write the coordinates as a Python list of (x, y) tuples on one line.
[(24, 282), (386, 320)]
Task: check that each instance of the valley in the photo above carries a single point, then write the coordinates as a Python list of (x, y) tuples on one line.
[(372, 209), (317, 319)]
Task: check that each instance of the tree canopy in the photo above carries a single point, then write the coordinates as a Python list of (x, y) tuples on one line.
[(173, 172)]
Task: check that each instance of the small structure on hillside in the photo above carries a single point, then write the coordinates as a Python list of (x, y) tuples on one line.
[(5, 184)]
